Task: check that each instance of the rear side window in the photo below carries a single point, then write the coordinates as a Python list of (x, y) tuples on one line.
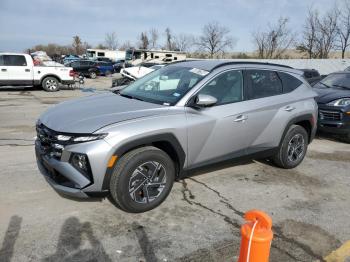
[(15, 60), (289, 82), (263, 83), (1, 60)]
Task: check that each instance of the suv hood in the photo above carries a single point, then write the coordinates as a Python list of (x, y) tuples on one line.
[(326, 95), (88, 114)]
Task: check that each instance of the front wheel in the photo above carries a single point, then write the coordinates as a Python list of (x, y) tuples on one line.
[(142, 179), (293, 148), (50, 84)]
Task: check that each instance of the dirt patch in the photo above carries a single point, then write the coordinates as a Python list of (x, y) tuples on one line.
[(273, 175), (343, 156), (317, 239)]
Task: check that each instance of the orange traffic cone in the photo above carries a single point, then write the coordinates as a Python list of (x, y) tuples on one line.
[(256, 237)]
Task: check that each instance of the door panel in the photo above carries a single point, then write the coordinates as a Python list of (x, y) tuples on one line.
[(217, 132), (19, 72), (214, 133)]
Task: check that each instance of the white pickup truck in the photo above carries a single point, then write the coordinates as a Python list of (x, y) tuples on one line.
[(19, 70)]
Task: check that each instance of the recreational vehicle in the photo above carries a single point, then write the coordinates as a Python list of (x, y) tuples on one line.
[(114, 55), (137, 56)]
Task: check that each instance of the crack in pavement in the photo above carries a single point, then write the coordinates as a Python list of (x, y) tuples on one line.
[(12, 144), (278, 231)]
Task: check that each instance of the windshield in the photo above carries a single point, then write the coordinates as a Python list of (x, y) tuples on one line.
[(336, 80), (165, 86)]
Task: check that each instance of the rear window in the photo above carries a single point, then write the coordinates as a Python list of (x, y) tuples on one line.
[(263, 83), (289, 82), (15, 60)]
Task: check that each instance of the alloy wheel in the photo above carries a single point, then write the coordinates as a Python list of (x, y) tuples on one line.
[(296, 148), (51, 84), (147, 182)]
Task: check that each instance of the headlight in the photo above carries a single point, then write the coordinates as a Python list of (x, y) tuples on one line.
[(79, 139), (340, 102)]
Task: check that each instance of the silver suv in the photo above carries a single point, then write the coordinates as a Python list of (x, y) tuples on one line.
[(133, 144)]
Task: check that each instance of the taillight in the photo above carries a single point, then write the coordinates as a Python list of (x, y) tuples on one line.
[(72, 73)]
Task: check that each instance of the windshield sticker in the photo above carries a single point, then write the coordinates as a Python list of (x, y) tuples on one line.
[(199, 71), (176, 94)]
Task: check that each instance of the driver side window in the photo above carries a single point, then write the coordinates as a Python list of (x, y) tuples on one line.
[(226, 87)]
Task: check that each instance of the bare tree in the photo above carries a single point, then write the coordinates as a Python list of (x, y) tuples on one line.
[(111, 41), (126, 45), (320, 34), (169, 39), (275, 41), (144, 42), (78, 46), (328, 31), (343, 41), (183, 42), (309, 35), (153, 37), (214, 39)]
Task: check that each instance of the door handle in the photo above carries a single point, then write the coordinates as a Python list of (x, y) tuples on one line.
[(241, 118), (3, 70), (289, 108), (27, 70)]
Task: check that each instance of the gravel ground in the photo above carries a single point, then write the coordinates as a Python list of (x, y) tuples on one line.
[(199, 221)]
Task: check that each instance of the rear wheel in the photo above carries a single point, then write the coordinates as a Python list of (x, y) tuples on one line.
[(293, 148), (50, 84), (142, 179), (93, 74)]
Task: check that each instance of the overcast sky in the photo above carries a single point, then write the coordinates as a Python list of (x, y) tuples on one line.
[(25, 23)]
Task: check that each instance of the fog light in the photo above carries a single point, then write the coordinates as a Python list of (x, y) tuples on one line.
[(81, 163)]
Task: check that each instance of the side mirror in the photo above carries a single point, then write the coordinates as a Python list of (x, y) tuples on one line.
[(205, 100)]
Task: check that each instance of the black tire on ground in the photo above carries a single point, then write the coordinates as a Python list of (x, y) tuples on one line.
[(50, 84), (132, 182), (93, 74), (293, 148)]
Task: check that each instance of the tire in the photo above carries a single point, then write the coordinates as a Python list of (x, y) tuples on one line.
[(93, 74), (293, 148), (50, 84), (135, 191)]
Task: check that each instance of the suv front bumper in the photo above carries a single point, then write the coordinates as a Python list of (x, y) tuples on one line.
[(333, 120), (65, 178)]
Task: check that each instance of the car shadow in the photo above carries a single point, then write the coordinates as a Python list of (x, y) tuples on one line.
[(7, 248), (71, 246)]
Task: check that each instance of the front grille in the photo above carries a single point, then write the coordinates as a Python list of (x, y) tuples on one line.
[(48, 141), (330, 115)]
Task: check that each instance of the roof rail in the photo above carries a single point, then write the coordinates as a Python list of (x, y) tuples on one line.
[(249, 62)]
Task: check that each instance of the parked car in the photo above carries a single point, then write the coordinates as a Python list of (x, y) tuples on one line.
[(86, 68), (105, 68), (311, 75), (334, 104), (120, 65), (103, 59), (17, 69), (129, 75), (70, 58), (133, 144)]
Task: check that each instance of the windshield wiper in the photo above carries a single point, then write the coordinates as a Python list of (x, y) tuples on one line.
[(345, 87), (324, 84), (129, 96)]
